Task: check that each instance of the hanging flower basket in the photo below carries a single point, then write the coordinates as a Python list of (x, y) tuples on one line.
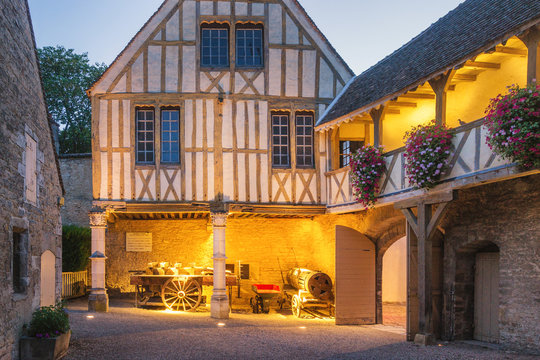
[(427, 148), (513, 124), (367, 167)]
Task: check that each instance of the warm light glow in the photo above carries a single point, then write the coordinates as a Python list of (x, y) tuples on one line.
[(89, 316), (221, 324), (302, 327)]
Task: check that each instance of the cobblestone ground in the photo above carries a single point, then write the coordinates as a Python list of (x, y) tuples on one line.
[(129, 333)]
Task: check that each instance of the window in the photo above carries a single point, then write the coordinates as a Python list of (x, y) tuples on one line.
[(145, 136), (346, 149), (249, 45), (304, 140), (215, 45), (19, 262), (280, 139), (170, 135)]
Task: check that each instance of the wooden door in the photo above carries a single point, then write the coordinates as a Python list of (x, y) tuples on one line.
[(355, 278), (486, 297), (48, 278)]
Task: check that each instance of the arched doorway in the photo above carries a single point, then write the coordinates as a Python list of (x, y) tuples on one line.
[(476, 308), (394, 284), (48, 278), (355, 278)]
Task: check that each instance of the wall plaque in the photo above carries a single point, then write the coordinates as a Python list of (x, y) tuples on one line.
[(139, 242)]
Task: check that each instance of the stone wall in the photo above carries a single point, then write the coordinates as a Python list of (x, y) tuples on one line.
[(506, 214), (23, 114), (268, 245), (77, 176)]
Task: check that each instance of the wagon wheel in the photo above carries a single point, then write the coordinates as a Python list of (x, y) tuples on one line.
[(181, 294), (296, 306)]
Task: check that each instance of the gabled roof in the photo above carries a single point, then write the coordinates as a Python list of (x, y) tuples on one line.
[(473, 27), (138, 40)]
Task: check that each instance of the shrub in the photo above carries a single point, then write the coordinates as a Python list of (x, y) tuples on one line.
[(49, 321), (427, 148), (513, 124), (76, 243), (367, 167)]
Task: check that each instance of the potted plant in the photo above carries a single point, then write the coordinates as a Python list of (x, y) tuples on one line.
[(513, 125), (47, 335), (427, 148), (367, 167)]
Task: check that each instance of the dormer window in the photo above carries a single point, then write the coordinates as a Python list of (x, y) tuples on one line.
[(215, 45), (249, 46)]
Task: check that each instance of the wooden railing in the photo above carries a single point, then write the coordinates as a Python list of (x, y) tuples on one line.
[(470, 162), (74, 284)]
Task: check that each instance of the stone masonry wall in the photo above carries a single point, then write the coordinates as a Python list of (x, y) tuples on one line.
[(77, 177), (23, 112), (268, 245), (506, 214)]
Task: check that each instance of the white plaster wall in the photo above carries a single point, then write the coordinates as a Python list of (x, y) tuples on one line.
[(103, 192), (253, 177), (199, 123), (115, 124), (275, 26), (228, 177), (227, 127), (292, 31), (263, 126), (242, 196), (189, 23), (394, 279), (240, 129), (257, 9), (251, 124), (326, 83), (275, 72), (210, 125), (116, 175), (291, 71), (188, 113), (207, 8), (171, 69), (224, 8), (103, 108), (127, 176), (241, 8), (137, 73), (154, 68), (309, 60), (121, 86), (188, 69), (172, 30)]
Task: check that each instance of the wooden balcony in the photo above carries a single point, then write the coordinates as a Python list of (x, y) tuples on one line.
[(471, 164)]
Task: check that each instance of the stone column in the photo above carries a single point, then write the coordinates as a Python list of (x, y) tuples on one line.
[(219, 308), (98, 300)]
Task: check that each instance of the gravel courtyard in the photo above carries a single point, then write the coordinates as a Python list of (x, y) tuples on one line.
[(129, 333)]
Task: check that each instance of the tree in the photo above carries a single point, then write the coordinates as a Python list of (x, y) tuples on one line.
[(66, 77)]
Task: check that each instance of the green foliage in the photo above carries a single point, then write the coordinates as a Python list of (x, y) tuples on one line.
[(76, 243), (66, 77), (367, 168), (49, 321)]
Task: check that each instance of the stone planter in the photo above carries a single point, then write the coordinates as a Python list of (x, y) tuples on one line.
[(32, 348)]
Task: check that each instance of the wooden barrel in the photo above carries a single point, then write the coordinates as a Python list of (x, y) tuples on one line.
[(318, 284)]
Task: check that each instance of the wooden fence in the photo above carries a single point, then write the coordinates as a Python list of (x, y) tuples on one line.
[(74, 284)]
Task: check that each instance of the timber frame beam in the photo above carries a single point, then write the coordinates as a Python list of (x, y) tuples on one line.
[(377, 115), (440, 86), (531, 39), (424, 225)]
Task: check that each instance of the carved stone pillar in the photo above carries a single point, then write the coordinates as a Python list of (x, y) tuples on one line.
[(98, 299), (219, 308)]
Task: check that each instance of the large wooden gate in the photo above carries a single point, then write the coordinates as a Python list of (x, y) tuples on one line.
[(355, 278), (486, 297)]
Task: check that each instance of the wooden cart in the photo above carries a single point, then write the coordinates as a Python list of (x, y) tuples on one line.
[(177, 292)]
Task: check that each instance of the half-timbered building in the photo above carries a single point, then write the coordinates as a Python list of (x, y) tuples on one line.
[(210, 110), (222, 135)]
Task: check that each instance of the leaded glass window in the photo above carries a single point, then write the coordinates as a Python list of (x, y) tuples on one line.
[(215, 45), (145, 136), (346, 149), (170, 135), (304, 140), (249, 46), (280, 140)]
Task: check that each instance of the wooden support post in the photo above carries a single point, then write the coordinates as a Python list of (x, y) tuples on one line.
[(377, 115), (424, 225), (440, 86), (531, 39)]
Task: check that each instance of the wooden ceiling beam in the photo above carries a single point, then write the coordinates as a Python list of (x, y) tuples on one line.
[(481, 65), (510, 50), (415, 95), (403, 104), (465, 77)]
